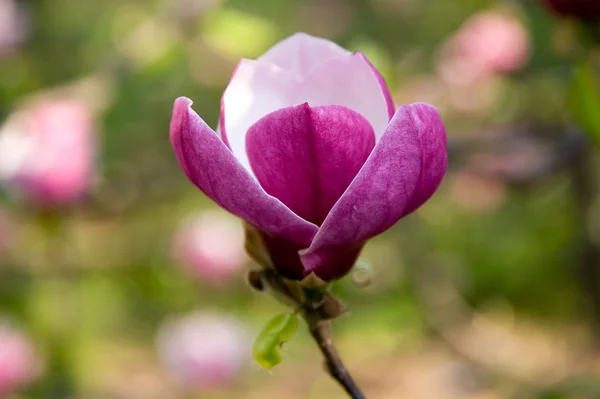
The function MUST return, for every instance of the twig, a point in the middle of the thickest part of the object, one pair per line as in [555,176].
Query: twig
[321,332]
[318,308]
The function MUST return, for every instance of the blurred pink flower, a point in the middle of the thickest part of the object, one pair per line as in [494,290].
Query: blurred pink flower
[19,363]
[210,245]
[13,26]
[47,151]
[489,43]
[204,351]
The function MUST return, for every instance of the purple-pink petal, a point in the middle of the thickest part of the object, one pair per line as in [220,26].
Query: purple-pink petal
[306,157]
[403,171]
[433,153]
[211,166]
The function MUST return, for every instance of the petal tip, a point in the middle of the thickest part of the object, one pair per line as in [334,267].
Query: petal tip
[303,36]
[182,101]
[426,105]
[180,108]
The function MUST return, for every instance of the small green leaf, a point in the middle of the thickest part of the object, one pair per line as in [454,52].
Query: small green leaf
[267,346]
[584,101]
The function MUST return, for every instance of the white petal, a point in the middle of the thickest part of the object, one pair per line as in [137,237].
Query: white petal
[300,53]
[348,81]
[299,69]
[256,89]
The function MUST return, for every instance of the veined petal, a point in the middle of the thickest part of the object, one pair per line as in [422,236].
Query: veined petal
[306,157]
[434,154]
[211,166]
[402,172]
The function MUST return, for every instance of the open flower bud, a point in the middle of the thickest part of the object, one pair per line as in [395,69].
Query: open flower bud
[312,154]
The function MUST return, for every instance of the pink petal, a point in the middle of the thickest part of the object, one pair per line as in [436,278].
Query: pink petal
[211,166]
[301,69]
[350,82]
[284,256]
[306,157]
[403,171]
[434,157]
[300,53]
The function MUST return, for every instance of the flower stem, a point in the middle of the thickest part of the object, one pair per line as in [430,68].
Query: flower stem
[317,308]
[321,332]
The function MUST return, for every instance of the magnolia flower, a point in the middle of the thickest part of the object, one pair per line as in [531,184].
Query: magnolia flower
[47,151]
[203,351]
[19,363]
[210,245]
[583,9]
[312,154]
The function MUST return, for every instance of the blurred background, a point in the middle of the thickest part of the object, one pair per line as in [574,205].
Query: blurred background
[119,279]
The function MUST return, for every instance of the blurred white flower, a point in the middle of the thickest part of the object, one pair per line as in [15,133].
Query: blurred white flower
[204,351]
[210,246]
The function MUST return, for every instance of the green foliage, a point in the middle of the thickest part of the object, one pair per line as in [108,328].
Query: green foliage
[584,100]
[580,387]
[267,346]
[94,302]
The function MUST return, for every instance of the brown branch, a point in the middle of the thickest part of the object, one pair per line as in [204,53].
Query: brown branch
[321,331]
[318,308]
